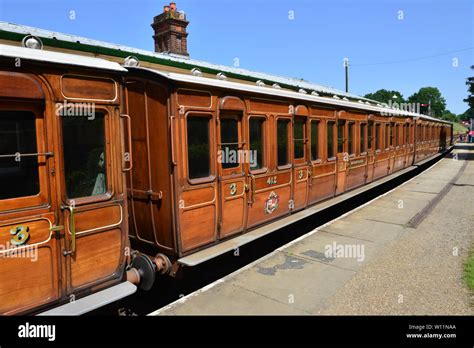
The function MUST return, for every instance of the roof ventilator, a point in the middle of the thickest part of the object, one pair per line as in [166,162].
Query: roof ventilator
[34,42]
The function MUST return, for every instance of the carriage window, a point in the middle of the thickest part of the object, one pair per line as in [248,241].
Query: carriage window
[370,129]
[390,130]
[397,135]
[363,126]
[84,155]
[387,135]
[199,161]
[298,137]
[378,137]
[19,176]
[314,140]
[340,136]
[330,139]
[229,142]
[350,138]
[282,129]
[257,138]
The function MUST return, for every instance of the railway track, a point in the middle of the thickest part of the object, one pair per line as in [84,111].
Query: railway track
[167,289]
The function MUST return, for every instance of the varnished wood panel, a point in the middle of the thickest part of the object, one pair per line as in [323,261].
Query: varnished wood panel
[97,257]
[197,227]
[191,97]
[26,282]
[273,106]
[88,88]
[19,85]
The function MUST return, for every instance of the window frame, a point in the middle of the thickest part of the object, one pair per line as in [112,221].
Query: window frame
[304,140]
[289,147]
[42,198]
[212,146]
[387,136]
[318,122]
[378,137]
[109,175]
[363,141]
[334,141]
[370,137]
[239,168]
[264,168]
[351,145]
[342,142]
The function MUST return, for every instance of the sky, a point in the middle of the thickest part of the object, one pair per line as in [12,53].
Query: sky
[393,44]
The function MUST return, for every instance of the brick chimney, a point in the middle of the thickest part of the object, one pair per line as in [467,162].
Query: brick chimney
[170,31]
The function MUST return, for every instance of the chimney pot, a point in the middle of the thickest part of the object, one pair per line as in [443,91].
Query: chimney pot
[170,34]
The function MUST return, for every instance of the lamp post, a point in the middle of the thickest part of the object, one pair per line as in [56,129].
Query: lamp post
[346,66]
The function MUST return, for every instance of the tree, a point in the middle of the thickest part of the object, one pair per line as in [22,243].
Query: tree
[449,116]
[385,96]
[470,98]
[429,95]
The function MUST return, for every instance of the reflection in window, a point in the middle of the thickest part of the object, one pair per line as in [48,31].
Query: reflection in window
[257,139]
[229,142]
[370,135]
[340,135]
[19,176]
[298,137]
[84,155]
[314,140]
[330,139]
[282,135]
[378,137]
[391,125]
[363,127]
[397,135]
[199,161]
[350,138]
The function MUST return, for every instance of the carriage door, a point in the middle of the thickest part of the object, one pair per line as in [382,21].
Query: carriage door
[232,158]
[29,268]
[342,155]
[92,218]
[301,169]
[370,148]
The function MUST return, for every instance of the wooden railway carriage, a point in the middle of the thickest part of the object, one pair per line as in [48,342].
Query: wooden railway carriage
[186,166]
[186,191]
[63,213]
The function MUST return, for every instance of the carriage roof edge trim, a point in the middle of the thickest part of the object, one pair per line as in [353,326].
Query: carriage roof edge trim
[281,93]
[58,58]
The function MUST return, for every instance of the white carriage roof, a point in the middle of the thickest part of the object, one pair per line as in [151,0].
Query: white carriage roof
[266,90]
[58,58]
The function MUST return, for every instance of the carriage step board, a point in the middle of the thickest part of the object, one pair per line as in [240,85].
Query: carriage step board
[94,301]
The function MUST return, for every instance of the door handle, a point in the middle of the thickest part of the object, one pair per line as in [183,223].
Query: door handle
[129,132]
[72,229]
[252,188]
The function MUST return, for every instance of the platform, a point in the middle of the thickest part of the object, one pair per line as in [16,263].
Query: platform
[401,253]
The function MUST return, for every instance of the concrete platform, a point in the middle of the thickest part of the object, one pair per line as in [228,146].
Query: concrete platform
[401,253]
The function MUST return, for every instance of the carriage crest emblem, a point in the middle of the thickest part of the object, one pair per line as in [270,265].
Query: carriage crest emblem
[271,204]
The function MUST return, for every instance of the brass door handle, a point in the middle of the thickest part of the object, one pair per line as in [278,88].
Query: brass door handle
[129,132]
[72,229]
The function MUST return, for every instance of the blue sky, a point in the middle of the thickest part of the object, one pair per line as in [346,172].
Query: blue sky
[312,45]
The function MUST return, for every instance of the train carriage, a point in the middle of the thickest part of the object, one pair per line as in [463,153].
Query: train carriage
[183,165]
[222,158]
